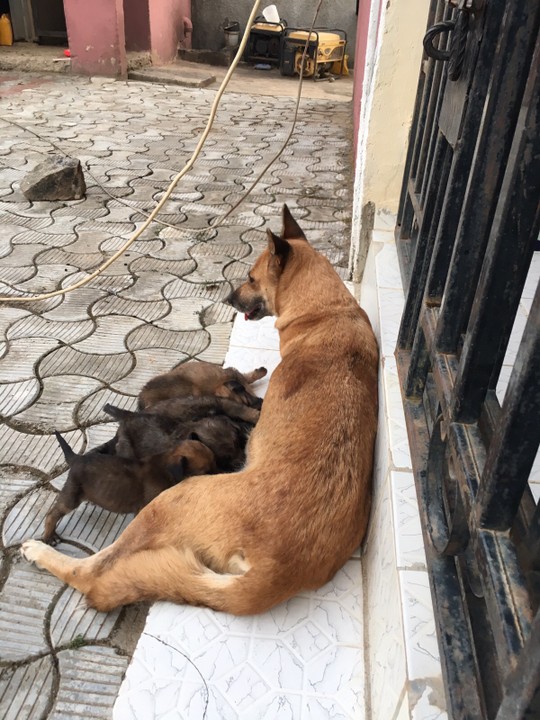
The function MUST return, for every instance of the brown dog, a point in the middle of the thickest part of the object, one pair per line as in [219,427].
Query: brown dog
[122,485]
[199,378]
[290,519]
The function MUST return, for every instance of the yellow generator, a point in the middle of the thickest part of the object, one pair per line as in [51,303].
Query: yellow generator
[264,41]
[325,56]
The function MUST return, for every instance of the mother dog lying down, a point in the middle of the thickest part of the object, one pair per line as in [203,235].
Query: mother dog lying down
[289,520]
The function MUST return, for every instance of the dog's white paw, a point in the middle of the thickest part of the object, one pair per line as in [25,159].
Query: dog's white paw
[32,550]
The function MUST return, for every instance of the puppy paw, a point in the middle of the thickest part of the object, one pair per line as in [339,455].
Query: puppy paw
[32,550]
[53,541]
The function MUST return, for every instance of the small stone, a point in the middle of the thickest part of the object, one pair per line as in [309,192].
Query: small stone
[57,178]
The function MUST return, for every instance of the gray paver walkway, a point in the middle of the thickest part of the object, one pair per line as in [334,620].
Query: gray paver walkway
[62,359]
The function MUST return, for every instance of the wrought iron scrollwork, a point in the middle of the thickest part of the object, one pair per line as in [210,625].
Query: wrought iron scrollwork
[459,28]
[447,525]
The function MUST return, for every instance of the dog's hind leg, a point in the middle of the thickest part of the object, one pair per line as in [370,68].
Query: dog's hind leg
[170,574]
[69,498]
[55,514]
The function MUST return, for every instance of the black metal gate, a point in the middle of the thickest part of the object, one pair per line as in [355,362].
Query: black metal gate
[467,226]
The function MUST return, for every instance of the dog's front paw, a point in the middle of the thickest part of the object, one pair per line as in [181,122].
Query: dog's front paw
[32,550]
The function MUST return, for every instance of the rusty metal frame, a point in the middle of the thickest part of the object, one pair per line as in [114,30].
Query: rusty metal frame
[468,221]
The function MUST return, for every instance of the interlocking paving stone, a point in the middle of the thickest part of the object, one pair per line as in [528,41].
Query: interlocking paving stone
[209,268]
[149,310]
[170,267]
[55,408]
[74,306]
[71,617]
[22,356]
[66,331]
[68,360]
[36,451]
[109,335]
[80,261]
[91,408]
[131,322]
[113,283]
[147,286]
[25,691]
[185,314]
[25,519]
[182,289]
[149,362]
[13,483]
[24,600]
[92,527]
[99,434]
[190,342]
[49,278]
[218,313]
[15,396]
[217,349]
[236,271]
[89,681]
[140,247]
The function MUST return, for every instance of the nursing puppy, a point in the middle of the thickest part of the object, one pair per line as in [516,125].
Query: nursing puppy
[123,485]
[202,378]
[160,429]
[290,519]
[222,425]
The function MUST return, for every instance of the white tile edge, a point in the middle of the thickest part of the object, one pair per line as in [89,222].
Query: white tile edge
[418,700]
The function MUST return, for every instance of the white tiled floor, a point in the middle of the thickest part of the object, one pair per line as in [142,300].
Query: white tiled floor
[533,279]
[403,669]
[304,660]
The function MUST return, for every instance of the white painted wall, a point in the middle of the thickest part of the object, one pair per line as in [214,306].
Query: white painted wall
[392,66]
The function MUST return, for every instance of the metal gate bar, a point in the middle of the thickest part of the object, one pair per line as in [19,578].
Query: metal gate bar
[468,219]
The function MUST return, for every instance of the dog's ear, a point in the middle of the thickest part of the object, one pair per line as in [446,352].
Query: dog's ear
[235,386]
[279,249]
[291,229]
[178,471]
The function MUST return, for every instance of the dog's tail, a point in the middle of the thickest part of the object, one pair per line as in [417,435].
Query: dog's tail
[118,413]
[68,451]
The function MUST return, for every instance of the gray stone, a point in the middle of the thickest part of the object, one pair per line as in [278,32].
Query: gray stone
[71,617]
[25,691]
[57,178]
[89,682]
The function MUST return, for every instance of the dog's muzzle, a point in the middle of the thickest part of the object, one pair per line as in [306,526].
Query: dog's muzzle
[253,309]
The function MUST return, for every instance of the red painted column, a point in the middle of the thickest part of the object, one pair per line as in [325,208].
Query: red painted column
[170,24]
[362,29]
[96,37]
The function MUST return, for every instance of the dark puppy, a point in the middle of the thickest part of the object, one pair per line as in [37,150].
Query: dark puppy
[198,379]
[222,425]
[122,485]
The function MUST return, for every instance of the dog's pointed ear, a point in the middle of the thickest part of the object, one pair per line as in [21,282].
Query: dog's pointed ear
[291,229]
[279,248]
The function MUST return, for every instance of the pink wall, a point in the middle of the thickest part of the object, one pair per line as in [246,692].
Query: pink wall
[96,37]
[99,32]
[165,25]
[137,25]
[366,7]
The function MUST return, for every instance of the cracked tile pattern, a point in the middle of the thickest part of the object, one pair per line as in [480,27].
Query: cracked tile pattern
[159,304]
[302,659]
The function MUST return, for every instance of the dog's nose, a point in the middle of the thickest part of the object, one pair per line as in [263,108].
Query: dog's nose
[228,300]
